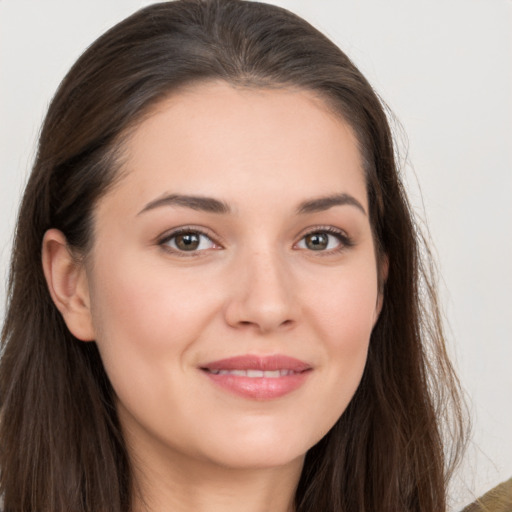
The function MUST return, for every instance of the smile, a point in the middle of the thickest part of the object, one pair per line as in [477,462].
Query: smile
[257,377]
[254,374]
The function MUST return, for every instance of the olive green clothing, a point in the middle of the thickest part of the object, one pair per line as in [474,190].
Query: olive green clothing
[498,499]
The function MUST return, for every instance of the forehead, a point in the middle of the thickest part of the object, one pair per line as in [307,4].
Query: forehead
[235,143]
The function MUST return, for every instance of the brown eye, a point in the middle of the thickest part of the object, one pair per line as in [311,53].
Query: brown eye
[317,241]
[326,240]
[188,241]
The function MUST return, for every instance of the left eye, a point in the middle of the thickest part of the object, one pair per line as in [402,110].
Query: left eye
[320,241]
[189,241]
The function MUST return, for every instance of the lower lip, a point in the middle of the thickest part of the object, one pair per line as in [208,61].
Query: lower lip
[260,388]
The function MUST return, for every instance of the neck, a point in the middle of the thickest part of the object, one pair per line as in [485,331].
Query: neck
[202,487]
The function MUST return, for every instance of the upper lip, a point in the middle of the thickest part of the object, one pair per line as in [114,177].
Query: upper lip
[256,362]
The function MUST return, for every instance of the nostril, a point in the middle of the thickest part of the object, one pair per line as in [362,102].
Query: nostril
[262,308]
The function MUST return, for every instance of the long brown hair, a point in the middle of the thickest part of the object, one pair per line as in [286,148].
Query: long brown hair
[61,447]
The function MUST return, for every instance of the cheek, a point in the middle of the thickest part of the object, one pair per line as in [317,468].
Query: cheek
[345,306]
[142,318]
[145,321]
[344,315]
[136,297]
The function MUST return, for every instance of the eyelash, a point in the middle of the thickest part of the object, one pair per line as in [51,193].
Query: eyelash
[184,231]
[344,240]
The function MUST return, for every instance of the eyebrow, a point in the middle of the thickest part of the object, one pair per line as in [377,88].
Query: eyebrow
[200,203]
[211,205]
[324,203]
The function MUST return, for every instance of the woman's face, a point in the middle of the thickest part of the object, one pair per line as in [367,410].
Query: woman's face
[233,278]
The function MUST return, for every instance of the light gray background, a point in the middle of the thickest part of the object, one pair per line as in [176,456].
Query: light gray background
[445,69]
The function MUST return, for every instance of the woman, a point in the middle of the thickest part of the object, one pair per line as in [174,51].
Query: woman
[215,286]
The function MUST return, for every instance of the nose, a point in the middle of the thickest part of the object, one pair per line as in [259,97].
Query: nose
[263,295]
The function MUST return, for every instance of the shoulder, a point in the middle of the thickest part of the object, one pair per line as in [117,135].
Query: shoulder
[498,499]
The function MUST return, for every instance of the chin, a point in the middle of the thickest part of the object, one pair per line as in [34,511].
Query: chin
[261,451]
[250,460]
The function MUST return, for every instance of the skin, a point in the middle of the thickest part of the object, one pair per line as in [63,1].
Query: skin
[253,286]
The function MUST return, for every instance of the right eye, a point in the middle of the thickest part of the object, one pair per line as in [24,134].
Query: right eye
[188,240]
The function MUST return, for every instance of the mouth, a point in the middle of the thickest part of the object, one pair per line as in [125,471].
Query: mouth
[258,377]
[253,374]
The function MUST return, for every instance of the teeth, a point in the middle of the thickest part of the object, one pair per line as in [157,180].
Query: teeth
[255,373]
[268,374]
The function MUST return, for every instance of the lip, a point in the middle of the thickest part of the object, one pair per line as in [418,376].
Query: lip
[283,374]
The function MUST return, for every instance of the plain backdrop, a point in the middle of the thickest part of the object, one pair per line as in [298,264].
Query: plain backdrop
[445,69]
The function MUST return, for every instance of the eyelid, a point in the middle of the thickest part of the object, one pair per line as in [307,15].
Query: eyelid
[163,239]
[345,240]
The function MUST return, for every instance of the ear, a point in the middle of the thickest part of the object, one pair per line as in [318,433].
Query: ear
[383,271]
[67,282]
